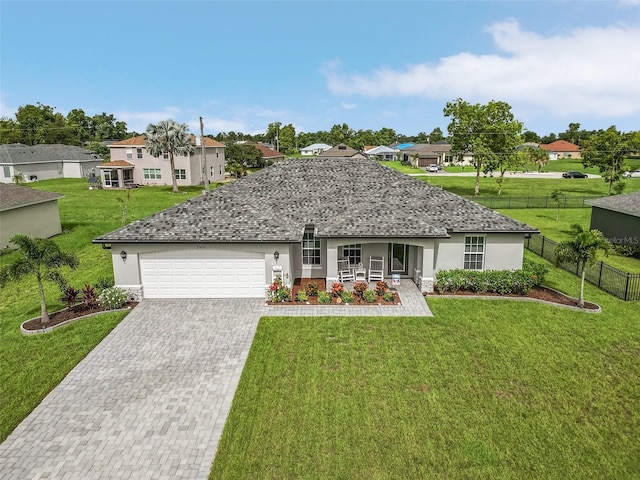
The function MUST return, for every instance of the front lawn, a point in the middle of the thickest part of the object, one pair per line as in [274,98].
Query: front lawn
[31,366]
[396,165]
[484,389]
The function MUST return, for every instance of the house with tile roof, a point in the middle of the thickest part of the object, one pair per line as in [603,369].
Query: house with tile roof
[28,211]
[131,164]
[618,218]
[296,218]
[561,149]
[314,149]
[44,162]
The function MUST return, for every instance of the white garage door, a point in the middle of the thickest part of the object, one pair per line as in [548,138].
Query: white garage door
[198,278]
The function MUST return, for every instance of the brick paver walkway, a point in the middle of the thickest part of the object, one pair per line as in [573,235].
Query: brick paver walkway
[150,401]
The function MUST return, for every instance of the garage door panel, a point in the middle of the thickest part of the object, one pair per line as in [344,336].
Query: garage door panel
[209,278]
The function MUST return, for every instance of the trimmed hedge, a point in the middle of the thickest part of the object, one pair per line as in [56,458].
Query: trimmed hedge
[503,282]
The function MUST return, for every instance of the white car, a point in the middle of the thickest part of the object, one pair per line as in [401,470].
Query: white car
[432,168]
[634,174]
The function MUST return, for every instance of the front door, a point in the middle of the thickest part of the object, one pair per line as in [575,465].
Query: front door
[398,255]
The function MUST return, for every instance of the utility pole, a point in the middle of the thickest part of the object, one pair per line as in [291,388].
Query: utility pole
[203,158]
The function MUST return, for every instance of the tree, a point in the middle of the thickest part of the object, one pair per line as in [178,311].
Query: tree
[436,135]
[489,131]
[558,197]
[40,257]
[273,134]
[607,150]
[529,136]
[287,138]
[9,131]
[536,156]
[171,138]
[106,127]
[341,134]
[242,156]
[581,251]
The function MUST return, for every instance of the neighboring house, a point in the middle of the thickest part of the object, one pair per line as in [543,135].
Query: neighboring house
[296,218]
[132,164]
[618,218]
[381,153]
[43,162]
[28,211]
[342,151]
[561,149]
[421,155]
[315,149]
[268,153]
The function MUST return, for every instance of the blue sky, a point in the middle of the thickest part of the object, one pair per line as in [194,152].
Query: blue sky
[371,64]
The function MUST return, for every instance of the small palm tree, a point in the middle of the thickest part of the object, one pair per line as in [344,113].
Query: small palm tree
[581,251]
[557,196]
[171,138]
[41,257]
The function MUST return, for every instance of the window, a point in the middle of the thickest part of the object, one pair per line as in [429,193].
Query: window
[310,249]
[165,155]
[181,174]
[6,171]
[474,253]
[129,154]
[353,253]
[139,152]
[152,173]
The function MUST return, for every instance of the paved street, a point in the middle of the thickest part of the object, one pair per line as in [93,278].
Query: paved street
[151,400]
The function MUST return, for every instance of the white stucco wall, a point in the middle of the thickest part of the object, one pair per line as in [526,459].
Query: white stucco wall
[503,251]
[39,221]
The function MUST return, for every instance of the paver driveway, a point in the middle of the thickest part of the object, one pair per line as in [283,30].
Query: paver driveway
[150,401]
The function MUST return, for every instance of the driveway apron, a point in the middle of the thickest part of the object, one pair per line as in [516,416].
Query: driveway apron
[150,401]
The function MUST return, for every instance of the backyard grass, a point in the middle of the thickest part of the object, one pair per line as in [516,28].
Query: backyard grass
[402,168]
[484,389]
[31,366]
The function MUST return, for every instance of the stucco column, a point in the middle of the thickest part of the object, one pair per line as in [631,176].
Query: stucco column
[332,263]
[427,275]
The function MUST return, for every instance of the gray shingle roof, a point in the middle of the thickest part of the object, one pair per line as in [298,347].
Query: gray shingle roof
[16,196]
[17,153]
[628,203]
[341,197]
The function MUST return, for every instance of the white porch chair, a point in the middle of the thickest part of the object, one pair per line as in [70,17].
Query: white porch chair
[344,271]
[376,269]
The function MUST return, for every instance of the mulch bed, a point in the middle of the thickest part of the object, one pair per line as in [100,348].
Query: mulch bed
[300,283]
[65,315]
[538,293]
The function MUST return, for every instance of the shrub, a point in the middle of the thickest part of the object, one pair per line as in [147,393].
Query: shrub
[324,297]
[347,297]
[389,296]
[381,288]
[311,289]
[336,289]
[69,296]
[301,296]
[369,296]
[112,298]
[359,288]
[279,293]
[89,297]
[103,283]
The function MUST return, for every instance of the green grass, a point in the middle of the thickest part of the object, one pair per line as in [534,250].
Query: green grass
[31,366]
[484,389]
[402,168]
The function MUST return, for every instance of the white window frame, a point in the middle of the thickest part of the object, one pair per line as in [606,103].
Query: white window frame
[311,254]
[152,173]
[165,156]
[353,253]
[6,171]
[474,252]
[180,173]
[139,152]
[129,154]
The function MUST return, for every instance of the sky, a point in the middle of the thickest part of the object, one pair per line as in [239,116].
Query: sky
[241,65]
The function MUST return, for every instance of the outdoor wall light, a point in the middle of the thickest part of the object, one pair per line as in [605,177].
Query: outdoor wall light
[123,256]
[276,255]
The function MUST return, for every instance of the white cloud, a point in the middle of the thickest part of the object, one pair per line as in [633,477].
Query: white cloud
[349,106]
[591,70]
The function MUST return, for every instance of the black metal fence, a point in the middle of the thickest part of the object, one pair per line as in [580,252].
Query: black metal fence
[522,201]
[617,282]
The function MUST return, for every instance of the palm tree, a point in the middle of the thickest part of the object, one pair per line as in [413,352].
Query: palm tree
[41,257]
[171,138]
[581,251]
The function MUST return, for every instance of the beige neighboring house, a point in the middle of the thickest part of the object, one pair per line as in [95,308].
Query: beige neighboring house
[561,149]
[421,155]
[28,211]
[343,151]
[45,161]
[131,164]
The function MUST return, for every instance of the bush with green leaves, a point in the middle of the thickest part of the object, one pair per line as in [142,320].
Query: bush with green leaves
[388,296]
[112,298]
[502,282]
[369,296]
[347,297]
[324,297]
[103,283]
[311,289]
[301,296]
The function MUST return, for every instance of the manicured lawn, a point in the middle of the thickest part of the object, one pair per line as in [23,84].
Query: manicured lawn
[484,389]
[402,168]
[30,366]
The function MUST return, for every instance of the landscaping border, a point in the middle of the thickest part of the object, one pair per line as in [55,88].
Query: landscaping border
[24,331]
